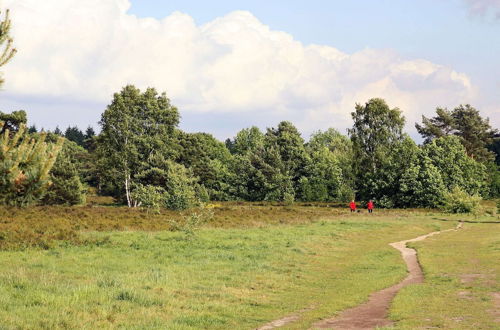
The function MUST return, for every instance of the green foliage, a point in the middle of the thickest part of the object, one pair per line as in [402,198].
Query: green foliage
[6,42]
[149,197]
[464,121]
[261,176]
[74,134]
[422,185]
[25,164]
[457,169]
[246,140]
[66,187]
[208,159]
[191,222]
[341,153]
[286,140]
[492,180]
[459,201]
[376,131]
[323,177]
[264,166]
[12,121]
[134,126]
[180,191]
[495,148]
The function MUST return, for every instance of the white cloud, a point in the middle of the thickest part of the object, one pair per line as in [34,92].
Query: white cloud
[87,50]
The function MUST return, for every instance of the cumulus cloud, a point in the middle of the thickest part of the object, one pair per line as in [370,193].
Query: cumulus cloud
[484,7]
[234,65]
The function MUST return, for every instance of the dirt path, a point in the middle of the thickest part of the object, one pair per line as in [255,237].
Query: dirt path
[374,312]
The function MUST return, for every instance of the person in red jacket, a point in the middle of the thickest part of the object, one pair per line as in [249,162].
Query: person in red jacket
[370,206]
[352,206]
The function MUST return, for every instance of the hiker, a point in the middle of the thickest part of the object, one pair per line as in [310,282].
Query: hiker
[352,206]
[370,206]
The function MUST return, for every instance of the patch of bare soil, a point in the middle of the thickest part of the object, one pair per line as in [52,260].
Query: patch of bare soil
[374,312]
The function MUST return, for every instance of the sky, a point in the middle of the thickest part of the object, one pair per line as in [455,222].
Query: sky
[228,65]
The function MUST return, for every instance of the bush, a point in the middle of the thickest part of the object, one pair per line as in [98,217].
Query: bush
[459,201]
[180,192]
[191,222]
[149,197]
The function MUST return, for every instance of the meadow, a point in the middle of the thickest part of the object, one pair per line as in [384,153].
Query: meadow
[103,266]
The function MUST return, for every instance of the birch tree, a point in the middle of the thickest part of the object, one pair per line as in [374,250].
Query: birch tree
[135,126]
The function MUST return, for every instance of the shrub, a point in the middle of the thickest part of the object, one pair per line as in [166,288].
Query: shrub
[191,222]
[180,193]
[149,197]
[459,201]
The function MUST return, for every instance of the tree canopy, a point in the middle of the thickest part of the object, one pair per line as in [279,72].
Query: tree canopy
[7,50]
[464,121]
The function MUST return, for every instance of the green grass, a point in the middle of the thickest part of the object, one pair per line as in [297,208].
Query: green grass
[462,270]
[224,278]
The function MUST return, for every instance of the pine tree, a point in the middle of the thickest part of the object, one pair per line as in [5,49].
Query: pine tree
[25,164]
[66,187]
[75,134]
[6,42]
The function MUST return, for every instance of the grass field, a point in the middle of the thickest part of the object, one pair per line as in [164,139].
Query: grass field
[251,264]
[462,287]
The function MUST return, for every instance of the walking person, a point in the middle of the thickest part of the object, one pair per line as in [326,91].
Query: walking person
[352,206]
[370,206]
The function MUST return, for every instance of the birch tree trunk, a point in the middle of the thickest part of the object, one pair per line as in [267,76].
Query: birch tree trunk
[127,190]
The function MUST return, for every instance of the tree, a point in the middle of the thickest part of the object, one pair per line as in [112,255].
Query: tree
[323,177]
[340,147]
[377,129]
[134,127]
[6,43]
[66,186]
[288,142]
[246,140]
[421,184]
[58,131]
[208,159]
[261,175]
[448,155]
[175,182]
[75,134]
[465,122]
[89,139]
[495,148]
[13,121]
[25,164]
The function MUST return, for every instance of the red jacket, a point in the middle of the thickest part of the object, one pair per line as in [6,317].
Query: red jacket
[370,205]
[352,205]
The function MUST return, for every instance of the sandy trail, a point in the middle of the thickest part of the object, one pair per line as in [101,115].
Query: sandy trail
[373,313]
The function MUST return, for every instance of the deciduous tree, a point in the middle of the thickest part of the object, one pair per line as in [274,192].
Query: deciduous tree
[134,127]
[376,131]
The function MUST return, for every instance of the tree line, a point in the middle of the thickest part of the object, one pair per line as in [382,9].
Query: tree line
[142,158]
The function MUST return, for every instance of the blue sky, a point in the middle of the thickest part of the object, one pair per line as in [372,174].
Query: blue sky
[436,53]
